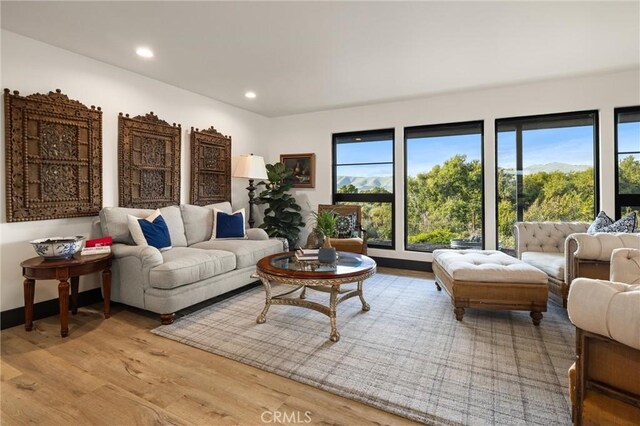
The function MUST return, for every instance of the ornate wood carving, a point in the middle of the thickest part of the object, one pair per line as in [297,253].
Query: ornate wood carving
[149,161]
[210,166]
[53,149]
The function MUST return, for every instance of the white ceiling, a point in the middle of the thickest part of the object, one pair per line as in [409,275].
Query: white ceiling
[301,57]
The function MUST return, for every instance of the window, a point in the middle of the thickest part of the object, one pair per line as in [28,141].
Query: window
[363,174]
[444,186]
[627,135]
[546,170]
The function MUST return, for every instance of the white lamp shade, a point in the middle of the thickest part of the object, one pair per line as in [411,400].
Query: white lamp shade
[250,167]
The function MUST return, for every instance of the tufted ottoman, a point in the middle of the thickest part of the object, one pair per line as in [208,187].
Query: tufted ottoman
[490,279]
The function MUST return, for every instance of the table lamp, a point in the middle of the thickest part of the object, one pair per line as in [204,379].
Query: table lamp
[250,167]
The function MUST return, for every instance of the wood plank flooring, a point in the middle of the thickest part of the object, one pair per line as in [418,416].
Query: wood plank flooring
[115,372]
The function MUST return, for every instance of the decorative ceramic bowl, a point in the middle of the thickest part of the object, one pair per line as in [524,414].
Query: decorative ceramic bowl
[55,248]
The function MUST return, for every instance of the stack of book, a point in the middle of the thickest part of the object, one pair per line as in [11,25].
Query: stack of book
[307,255]
[97,246]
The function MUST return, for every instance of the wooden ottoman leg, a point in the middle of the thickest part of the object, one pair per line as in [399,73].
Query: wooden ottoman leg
[536,316]
[459,313]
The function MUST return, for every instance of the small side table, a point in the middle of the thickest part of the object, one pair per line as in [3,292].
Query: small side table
[37,268]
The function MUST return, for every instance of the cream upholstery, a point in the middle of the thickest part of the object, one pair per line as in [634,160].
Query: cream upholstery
[487,266]
[186,265]
[247,253]
[546,237]
[608,308]
[626,266]
[600,246]
[551,263]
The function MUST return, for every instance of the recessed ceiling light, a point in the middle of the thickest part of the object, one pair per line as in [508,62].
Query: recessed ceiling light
[145,52]
[250,95]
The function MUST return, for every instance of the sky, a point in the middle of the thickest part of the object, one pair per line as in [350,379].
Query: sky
[570,145]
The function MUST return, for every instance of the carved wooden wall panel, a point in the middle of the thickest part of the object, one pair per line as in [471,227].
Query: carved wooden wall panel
[210,167]
[53,149]
[149,162]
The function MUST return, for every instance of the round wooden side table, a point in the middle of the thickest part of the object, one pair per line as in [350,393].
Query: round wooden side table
[38,268]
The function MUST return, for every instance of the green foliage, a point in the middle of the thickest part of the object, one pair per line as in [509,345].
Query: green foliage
[282,218]
[436,236]
[348,189]
[445,202]
[376,217]
[324,221]
[547,196]
[629,175]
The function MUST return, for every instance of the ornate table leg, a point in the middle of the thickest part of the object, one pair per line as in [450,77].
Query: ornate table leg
[303,295]
[267,289]
[63,296]
[335,336]
[29,291]
[74,294]
[365,305]
[106,290]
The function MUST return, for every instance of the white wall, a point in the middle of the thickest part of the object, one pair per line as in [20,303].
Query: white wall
[312,133]
[31,66]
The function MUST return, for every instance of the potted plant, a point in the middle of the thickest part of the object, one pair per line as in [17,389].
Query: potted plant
[282,217]
[324,225]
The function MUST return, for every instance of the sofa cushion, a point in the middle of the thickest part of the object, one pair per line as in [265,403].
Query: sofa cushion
[198,220]
[604,223]
[150,231]
[185,265]
[248,252]
[114,223]
[551,263]
[486,266]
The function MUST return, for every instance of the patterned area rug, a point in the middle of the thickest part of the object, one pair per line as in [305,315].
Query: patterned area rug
[407,355]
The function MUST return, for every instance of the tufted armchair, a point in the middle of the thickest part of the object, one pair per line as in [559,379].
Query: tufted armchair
[565,251]
[604,382]
[542,244]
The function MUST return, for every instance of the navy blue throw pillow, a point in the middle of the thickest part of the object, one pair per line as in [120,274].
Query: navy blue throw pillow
[156,233]
[229,225]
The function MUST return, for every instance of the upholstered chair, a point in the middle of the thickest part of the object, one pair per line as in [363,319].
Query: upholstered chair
[604,382]
[356,240]
[565,251]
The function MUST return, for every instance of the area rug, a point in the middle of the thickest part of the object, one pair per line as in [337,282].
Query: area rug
[407,355]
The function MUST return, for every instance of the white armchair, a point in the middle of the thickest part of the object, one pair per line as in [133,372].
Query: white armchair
[605,380]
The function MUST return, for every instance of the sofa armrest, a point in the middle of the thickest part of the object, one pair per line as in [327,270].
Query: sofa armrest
[257,234]
[600,246]
[148,256]
[625,265]
[548,237]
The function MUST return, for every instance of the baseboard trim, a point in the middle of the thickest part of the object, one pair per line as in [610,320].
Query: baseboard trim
[13,317]
[413,265]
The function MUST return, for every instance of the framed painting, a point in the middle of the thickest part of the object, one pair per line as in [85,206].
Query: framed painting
[303,167]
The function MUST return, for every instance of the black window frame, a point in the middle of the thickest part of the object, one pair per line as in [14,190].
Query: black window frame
[622,199]
[443,126]
[366,198]
[557,117]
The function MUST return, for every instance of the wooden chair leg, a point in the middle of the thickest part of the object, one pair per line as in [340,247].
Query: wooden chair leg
[167,319]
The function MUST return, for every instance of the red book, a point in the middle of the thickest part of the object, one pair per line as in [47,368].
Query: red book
[99,242]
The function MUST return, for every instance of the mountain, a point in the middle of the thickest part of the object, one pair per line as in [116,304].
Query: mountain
[364,183]
[556,167]
[553,167]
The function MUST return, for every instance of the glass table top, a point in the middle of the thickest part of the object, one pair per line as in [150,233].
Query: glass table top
[346,263]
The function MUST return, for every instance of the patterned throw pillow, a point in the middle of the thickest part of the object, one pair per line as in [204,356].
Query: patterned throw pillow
[626,224]
[602,220]
[345,225]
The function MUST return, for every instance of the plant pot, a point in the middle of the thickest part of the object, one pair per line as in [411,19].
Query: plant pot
[327,255]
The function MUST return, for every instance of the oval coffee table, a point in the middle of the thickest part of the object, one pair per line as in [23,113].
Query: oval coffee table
[283,268]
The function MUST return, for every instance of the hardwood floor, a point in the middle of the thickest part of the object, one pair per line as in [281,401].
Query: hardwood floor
[116,372]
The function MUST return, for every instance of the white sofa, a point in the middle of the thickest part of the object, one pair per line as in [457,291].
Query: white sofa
[565,251]
[193,270]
